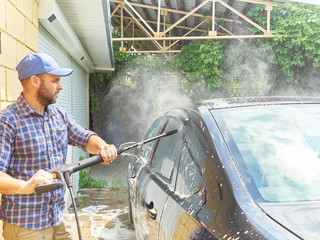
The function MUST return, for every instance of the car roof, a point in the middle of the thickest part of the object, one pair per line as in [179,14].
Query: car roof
[255,101]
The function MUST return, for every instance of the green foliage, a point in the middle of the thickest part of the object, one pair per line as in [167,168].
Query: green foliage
[94,101]
[116,183]
[202,66]
[80,198]
[100,82]
[86,181]
[297,47]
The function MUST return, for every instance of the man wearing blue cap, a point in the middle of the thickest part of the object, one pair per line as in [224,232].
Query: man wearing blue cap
[34,135]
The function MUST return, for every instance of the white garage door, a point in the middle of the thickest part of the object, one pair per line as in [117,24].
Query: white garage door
[74,97]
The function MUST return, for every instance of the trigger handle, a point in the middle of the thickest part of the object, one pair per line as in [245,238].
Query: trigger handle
[41,188]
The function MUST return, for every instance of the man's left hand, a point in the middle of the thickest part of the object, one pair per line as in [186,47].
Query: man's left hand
[108,153]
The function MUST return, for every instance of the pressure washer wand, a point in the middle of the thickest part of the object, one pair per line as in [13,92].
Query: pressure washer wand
[121,150]
[97,159]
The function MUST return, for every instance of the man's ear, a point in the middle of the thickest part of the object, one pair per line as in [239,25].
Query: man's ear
[35,81]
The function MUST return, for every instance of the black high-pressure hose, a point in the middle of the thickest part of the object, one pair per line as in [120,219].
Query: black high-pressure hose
[65,172]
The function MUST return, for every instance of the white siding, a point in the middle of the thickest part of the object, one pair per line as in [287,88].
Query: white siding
[74,97]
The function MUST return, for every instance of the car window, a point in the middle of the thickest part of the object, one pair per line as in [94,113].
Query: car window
[276,148]
[168,149]
[193,155]
[152,131]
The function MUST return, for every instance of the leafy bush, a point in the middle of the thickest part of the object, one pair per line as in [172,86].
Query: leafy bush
[86,181]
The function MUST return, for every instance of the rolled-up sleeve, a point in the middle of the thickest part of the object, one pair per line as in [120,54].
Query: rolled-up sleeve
[77,135]
[6,144]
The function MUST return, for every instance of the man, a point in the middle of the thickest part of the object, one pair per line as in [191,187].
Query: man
[33,139]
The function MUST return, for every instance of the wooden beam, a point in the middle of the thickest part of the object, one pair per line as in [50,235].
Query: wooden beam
[153,22]
[139,16]
[187,33]
[269,9]
[160,51]
[141,26]
[227,11]
[126,28]
[187,15]
[116,8]
[122,47]
[192,38]
[159,17]
[241,15]
[213,31]
[260,2]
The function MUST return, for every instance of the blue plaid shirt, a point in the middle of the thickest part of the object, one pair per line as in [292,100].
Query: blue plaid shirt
[30,142]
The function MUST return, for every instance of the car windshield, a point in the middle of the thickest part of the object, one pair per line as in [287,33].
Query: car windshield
[276,149]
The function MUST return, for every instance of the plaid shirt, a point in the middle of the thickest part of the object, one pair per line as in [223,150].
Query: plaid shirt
[30,142]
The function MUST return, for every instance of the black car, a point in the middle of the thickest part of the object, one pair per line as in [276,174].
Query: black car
[236,169]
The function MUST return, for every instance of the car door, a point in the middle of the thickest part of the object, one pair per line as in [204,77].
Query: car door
[155,179]
[137,163]
[185,207]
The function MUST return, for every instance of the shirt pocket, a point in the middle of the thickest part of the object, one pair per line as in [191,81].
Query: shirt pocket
[61,137]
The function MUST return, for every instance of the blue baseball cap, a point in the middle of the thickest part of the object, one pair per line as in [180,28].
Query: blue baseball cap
[39,63]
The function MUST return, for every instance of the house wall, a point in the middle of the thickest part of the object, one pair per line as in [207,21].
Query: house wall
[19,37]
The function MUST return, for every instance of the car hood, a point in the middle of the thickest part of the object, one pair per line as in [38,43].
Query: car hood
[301,218]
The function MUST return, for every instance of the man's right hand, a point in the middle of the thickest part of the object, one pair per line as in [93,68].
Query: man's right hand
[10,185]
[41,177]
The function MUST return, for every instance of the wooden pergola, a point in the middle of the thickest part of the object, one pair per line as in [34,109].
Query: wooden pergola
[164,26]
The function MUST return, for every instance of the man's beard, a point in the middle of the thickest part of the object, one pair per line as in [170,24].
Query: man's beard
[45,97]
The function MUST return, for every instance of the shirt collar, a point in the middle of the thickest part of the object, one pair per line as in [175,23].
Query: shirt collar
[27,110]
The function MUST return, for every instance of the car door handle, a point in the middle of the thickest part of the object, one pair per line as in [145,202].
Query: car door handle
[151,211]
[133,181]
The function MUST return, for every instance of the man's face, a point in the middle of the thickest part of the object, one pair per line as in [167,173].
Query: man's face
[49,88]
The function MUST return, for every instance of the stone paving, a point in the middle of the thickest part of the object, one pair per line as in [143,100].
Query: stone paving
[103,214]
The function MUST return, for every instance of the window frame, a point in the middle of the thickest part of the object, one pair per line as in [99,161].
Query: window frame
[156,145]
